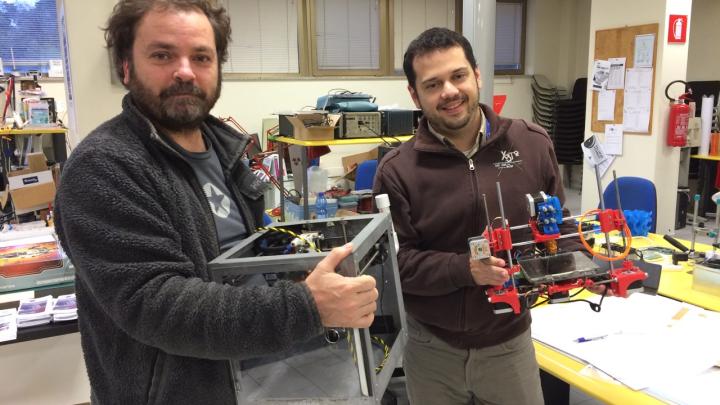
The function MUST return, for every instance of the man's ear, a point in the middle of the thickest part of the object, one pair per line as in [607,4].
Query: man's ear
[414,96]
[478,77]
[126,72]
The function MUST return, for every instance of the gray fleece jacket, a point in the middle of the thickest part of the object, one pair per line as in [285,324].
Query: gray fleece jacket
[134,221]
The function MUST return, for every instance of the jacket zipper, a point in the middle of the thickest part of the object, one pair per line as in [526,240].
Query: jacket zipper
[474,187]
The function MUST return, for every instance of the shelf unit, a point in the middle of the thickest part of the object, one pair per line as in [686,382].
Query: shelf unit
[284,141]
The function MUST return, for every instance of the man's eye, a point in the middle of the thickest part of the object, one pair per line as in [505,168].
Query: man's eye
[160,56]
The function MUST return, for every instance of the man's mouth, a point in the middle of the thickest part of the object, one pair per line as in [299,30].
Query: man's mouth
[453,107]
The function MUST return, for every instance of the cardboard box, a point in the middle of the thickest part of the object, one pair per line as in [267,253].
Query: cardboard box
[314,126]
[29,264]
[31,191]
[37,162]
[350,162]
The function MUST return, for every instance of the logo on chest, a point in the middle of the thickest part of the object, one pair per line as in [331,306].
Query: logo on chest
[508,160]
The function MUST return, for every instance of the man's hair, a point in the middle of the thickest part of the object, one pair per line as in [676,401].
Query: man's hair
[432,40]
[122,25]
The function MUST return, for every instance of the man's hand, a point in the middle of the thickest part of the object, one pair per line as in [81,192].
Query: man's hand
[599,289]
[344,302]
[490,271]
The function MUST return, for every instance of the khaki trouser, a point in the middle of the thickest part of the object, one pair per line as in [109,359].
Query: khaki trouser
[439,374]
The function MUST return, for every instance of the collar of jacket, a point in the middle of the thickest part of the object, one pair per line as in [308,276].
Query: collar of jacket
[425,141]
[228,143]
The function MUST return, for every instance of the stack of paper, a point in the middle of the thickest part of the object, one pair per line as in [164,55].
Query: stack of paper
[65,308]
[642,341]
[8,325]
[35,311]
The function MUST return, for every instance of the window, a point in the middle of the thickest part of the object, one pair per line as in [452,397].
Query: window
[352,37]
[510,37]
[29,36]
[329,37]
[346,36]
[264,36]
[411,17]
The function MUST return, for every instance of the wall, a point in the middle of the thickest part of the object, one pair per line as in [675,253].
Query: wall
[249,101]
[656,162]
[703,55]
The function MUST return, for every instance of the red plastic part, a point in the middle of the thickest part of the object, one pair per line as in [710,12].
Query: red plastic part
[539,237]
[624,277]
[610,220]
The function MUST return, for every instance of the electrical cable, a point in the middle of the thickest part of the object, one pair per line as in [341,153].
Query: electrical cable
[626,231]
[382,137]
[291,233]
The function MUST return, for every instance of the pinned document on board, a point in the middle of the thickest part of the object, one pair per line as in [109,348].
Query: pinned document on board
[606,105]
[637,99]
[613,139]
[616,80]
[600,74]
[644,49]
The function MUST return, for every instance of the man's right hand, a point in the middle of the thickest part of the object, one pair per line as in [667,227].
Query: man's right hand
[490,271]
[344,302]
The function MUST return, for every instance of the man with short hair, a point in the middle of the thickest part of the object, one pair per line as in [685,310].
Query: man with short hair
[458,350]
[154,194]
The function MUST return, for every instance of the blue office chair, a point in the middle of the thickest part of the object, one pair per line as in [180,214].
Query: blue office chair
[636,193]
[365,174]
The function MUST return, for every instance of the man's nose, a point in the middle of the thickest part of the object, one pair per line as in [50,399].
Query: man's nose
[449,90]
[184,71]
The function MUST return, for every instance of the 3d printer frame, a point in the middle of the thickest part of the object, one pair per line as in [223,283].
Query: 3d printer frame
[351,366]
[539,276]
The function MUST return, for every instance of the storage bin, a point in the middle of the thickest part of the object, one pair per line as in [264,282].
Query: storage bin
[294,212]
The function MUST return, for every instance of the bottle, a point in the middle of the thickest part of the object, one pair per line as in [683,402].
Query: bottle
[382,202]
[320,206]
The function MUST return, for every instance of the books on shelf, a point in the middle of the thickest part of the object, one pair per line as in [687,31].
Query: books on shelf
[65,308]
[8,324]
[35,311]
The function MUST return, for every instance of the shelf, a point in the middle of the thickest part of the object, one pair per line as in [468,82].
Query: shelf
[706,157]
[34,131]
[351,141]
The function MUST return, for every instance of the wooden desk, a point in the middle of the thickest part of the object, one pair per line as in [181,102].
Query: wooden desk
[283,140]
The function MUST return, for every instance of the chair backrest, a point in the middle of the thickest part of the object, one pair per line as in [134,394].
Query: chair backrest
[365,174]
[636,193]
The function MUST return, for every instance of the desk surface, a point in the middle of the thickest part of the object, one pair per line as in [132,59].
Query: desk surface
[676,284]
[705,157]
[34,131]
[350,141]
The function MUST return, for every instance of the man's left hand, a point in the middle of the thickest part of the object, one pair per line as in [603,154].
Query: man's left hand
[599,289]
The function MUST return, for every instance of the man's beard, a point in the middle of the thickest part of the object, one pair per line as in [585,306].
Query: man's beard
[169,111]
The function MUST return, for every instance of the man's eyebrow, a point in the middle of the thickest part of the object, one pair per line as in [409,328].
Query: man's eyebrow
[169,46]
[458,70]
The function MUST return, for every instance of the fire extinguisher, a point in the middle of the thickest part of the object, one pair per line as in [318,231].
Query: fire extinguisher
[679,117]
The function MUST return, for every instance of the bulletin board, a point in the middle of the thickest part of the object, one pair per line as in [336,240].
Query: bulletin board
[619,43]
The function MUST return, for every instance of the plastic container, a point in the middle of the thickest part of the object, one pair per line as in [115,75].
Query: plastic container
[317,179]
[294,212]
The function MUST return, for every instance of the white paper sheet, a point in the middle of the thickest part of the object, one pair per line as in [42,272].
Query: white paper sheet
[651,340]
[595,155]
[606,105]
[636,103]
[8,324]
[617,74]
[601,73]
[613,139]
[644,49]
